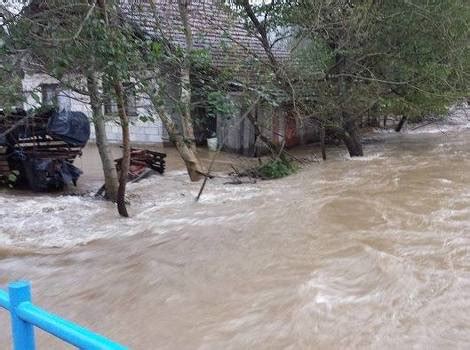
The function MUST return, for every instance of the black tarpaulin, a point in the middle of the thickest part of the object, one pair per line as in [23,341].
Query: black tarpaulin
[70,127]
[50,174]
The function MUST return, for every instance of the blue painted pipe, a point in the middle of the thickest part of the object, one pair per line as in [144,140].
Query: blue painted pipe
[25,315]
[23,332]
[65,330]
[4,300]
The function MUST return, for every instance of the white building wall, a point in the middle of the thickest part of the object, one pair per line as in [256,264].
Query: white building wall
[148,132]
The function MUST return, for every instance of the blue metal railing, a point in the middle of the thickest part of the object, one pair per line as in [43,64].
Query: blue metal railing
[25,316]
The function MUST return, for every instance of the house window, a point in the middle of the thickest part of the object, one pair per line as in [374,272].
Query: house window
[110,106]
[130,101]
[64,101]
[49,94]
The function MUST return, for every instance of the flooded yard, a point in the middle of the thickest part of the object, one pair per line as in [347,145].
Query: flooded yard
[364,253]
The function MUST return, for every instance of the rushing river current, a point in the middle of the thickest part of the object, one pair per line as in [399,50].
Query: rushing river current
[346,254]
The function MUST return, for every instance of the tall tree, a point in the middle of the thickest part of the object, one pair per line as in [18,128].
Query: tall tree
[96,102]
[11,93]
[78,44]
[114,73]
[183,138]
[349,57]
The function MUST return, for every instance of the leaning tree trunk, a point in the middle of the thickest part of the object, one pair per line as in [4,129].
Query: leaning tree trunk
[126,149]
[184,142]
[185,76]
[193,164]
[189,156]
[189,140]
[349,134]
[351,138]
[109,170]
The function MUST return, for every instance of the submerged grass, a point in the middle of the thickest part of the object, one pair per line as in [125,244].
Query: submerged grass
[277,168]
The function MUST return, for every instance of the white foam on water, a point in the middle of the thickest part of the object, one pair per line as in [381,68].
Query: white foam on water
[457,120]
[51,221]
[158,204]
[366,158]
[445,181]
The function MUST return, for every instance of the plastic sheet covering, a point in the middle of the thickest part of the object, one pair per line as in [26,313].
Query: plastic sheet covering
[50,174]
[70,127]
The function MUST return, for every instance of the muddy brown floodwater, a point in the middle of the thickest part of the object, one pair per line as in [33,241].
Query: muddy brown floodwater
[367,253]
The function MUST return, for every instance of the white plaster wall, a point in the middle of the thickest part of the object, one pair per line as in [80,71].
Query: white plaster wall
[149,132]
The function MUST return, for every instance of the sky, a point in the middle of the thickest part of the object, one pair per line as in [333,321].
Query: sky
[13,5]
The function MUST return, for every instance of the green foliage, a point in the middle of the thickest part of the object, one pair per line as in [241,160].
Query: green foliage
[201,59]
[277,168]
[10,78]
[157,50]
[407,57]
[11,179]
[147,118]
[219,104]
[425,47]
[75,39]
[10,88]
[316,55]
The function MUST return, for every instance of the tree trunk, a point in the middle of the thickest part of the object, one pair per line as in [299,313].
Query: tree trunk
[263,36]
[401,124]
[349,134]
[126,149]
[276,150]
[186,118]
[374,116]
[354,147]
[185,76]
[109,170]
[185,140]
[322,142]
[193,164]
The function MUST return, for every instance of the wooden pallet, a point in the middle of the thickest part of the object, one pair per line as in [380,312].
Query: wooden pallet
[142,159]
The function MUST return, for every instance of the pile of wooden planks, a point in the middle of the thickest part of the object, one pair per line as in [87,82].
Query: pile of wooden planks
[4,166]
[143,160]
[25,141]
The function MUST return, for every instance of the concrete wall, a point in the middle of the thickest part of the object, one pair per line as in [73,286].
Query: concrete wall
[149,132]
